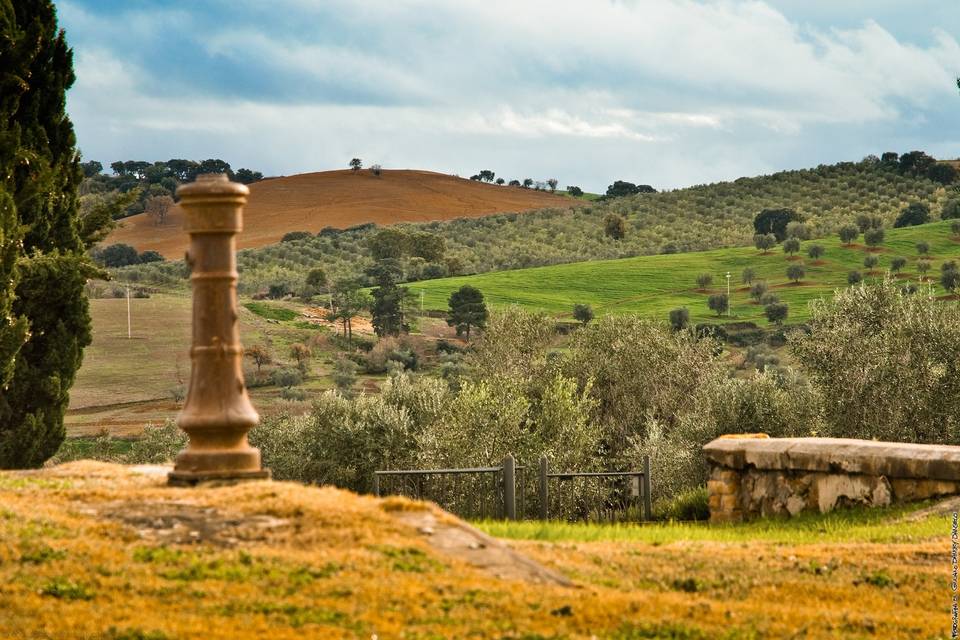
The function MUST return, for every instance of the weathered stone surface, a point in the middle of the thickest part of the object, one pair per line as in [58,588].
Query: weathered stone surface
[838,455]
[770,477]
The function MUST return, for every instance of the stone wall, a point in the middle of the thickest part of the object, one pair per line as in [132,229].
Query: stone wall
[757,476]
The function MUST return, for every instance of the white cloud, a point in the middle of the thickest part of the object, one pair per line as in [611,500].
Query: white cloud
[678,90]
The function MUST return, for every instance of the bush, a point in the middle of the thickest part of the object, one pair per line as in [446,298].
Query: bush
[679,318]
[776,312]
[758,290]
[150,256]
[718,302]
[290,393]
[913,214]
[688,505]
[923,247]
[815,251]
[951,209]
[897,264]
[118,255]
[955,227]
[704,280]
[796,272]
[293,236]
[874,237]
[286,377]
[791,246]
[748,276]
[854,277]
[871,261]
[884,361]
[582,313]
[848,233]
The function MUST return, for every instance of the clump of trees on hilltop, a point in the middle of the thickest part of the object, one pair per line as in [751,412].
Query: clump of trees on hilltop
[152,182]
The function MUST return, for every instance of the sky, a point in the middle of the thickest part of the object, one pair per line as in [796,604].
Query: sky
[662,92]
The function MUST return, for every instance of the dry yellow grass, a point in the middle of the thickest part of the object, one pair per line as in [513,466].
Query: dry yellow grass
[91,551]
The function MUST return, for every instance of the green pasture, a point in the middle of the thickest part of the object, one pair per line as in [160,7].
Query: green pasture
[895,524]
[653,285]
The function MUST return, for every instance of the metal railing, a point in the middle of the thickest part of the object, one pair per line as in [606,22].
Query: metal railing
[492,492]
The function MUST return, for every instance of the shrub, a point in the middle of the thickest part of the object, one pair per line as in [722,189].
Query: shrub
[874,237]
[815,251]
[848,233]
[345,375]
[679,318]
[871,261]
[764,241]
[748,276]
[758,290]
[913,214]
[704,280]
[582,313]
[897,264]
[955,227]
[923,247]
[718,302]
[293,236]
[776,312]
[796,272]
[799,230]
[768,298]
[791,246]
[118,255]
[884,361]
[950,276]
[854,277]
[157,445]
[150,256]
[688,505]
[614,226]
[951,209]
[922,267]
[286,377]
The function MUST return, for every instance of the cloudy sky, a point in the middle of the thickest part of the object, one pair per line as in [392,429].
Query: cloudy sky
[664,92]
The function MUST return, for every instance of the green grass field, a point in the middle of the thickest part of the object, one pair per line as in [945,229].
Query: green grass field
[653,285]
[878,525]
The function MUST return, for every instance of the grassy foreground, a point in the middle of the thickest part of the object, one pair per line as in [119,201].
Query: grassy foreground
[653,285]
[93,551]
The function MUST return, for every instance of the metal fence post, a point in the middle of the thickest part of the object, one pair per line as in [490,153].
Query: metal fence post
[647,515]
[544,495]
[509,487]
[376,484]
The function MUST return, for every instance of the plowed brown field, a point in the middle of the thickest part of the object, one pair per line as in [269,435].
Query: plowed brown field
[312,201]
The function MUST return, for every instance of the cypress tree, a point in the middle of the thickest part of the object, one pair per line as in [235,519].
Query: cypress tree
[39,175]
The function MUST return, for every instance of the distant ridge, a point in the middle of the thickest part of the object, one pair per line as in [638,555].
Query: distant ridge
[341,199]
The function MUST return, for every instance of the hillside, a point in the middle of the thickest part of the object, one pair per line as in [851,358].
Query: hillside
[92,550]
[697,218]
[341,199]
[653,285]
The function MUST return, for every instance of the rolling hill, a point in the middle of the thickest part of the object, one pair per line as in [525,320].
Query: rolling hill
[341,199]
[653,285]
[697,218]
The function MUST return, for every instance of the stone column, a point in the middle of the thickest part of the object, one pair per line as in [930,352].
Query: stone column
[217,414]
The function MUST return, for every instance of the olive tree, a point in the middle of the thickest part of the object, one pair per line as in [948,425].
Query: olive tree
[848,233]
[886,363]
[795,272]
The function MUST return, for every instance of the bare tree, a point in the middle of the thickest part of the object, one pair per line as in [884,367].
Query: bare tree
[157,208]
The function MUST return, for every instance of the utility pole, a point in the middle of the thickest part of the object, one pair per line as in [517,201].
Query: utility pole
[728,294]
[129,331]
[421,301]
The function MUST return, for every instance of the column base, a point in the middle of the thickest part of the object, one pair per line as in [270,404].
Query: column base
[194,478]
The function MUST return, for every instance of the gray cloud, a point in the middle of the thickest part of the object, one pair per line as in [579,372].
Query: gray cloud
[670,93]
